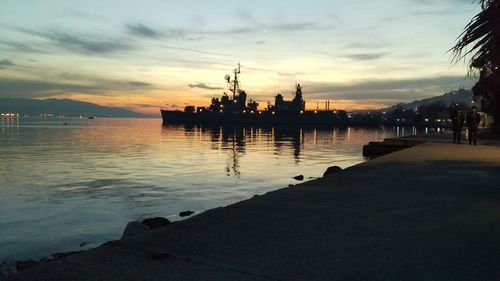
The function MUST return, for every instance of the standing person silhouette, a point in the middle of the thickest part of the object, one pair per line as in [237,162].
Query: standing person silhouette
[473,120]
[457,124]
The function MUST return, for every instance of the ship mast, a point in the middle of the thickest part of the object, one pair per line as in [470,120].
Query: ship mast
[235,81]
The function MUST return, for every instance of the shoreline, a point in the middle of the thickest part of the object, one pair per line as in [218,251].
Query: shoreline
[268,218]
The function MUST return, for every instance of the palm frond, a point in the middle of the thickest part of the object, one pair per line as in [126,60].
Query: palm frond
[482,33]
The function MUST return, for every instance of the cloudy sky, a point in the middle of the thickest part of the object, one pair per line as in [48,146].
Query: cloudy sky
[140,54]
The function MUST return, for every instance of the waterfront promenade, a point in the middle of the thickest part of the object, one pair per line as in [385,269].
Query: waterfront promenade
[430,212]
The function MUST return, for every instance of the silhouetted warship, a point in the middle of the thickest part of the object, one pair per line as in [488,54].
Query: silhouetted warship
[235,110]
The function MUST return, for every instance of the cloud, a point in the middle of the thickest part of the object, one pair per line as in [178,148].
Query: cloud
[6,63]
[87,44]
[24,47]
[404,89]
[144,105]
[292,73]
[278,27]
[196,38]
[366,56]
[102,83]
[422,1]
[292,26]
[39,89]
[204,86]
[13,87]
[139,29]
[139,84]
[367,44]
[193,50]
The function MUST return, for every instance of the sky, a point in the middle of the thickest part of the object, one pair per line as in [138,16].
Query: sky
[358,54]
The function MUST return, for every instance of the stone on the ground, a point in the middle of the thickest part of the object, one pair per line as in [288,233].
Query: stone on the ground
[186,213]
[154,223]
[160,255]
[332,170]
[7,268]
[299,177]
[27,264]
[135,228]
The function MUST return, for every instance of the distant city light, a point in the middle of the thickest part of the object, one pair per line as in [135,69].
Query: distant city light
[9,114]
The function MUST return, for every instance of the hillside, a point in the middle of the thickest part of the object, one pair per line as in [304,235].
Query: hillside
[66,107]
[461,96]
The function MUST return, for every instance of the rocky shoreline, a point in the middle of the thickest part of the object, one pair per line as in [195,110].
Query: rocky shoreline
[133,228]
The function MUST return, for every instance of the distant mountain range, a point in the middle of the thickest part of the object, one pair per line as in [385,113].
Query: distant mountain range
[461,96]
[66,107]
[73,108]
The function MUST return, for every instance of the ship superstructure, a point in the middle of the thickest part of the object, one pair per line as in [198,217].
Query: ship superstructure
[233,108]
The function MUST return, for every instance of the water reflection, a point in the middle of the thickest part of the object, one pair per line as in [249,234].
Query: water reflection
[9,124]
[278,140]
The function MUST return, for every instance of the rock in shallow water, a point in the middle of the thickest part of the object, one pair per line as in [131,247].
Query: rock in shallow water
[154,223]
[134,228]
[186,213]
[299,178]
[332,170]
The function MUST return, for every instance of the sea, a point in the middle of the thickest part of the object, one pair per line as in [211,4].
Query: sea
[69,184]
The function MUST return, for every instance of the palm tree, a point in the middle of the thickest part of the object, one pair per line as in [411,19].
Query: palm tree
[481,39]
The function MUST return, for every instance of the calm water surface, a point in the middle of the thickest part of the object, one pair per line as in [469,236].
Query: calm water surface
[64,185]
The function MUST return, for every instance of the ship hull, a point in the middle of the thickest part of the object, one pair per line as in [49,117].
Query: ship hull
[264,117]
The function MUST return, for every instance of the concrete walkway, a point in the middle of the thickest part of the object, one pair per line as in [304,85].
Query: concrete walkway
[431,212]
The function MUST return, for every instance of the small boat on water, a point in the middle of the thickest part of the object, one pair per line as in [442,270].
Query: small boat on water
[234,109]
[91,117]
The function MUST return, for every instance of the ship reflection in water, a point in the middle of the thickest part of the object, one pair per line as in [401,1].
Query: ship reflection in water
[234,139]
[285,141]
